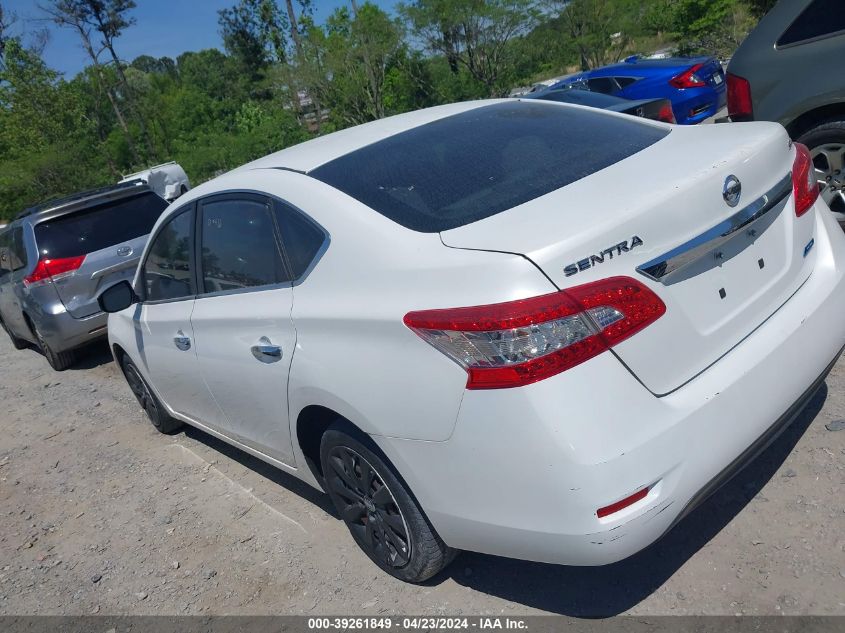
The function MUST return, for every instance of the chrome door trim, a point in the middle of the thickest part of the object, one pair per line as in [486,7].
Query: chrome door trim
[750,222]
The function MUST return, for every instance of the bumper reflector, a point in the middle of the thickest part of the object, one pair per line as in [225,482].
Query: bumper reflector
[621,505]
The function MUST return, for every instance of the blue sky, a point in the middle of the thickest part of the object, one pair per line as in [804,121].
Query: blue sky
[163,27]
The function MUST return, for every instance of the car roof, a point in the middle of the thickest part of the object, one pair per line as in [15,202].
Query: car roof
[321,150]
[632,67]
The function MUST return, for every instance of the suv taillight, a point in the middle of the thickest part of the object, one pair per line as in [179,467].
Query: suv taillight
[51,269]
[739,98]
[804,183]
[688,78]
[520,342]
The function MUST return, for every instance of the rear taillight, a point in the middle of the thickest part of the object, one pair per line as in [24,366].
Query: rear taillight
[688,78]
[666,115]
[739,98]
[51,269]
[520,342]
[805,186]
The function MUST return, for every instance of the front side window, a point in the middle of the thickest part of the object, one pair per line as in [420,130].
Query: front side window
[168,271]
[239,246]
[821,18]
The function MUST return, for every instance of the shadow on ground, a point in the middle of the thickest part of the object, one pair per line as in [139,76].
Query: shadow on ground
[613,589]
[93,355]
[264,469]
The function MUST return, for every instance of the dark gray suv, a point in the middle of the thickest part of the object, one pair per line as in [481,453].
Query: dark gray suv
[57,258]
[791,69]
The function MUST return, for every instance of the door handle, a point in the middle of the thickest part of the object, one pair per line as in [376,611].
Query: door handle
[266,352]
[181,341]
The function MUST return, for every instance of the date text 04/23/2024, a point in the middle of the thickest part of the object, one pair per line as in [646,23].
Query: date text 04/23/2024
[417,623]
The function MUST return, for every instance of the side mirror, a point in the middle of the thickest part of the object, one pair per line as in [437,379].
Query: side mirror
[119,297]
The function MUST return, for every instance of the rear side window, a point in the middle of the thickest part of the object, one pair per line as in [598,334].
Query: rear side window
[239,247]
[5,254]
[99,227]
[168,270]
[624,82]
[12,252]
[473,165]
[605,85]
[18,250]
[821,18]
[301,237]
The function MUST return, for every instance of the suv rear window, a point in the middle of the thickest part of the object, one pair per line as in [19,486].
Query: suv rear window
[473,165]
[99,227]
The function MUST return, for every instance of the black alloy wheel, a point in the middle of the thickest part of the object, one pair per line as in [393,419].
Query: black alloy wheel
[147,399]
[378,508]
[368,507]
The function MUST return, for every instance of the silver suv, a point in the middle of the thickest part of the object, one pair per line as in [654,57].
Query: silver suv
[57,258]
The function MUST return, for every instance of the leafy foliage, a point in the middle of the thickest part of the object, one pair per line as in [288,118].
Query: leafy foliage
[284,78]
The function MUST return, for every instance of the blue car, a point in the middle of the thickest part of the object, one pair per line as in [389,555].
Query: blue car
[694,85]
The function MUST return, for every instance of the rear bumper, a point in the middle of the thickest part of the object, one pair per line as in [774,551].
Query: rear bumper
[526,469]
[704,102]
[63,332]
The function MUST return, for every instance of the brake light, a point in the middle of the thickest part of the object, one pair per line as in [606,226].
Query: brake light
[688,78]
[50,269]
[804,183]
[739,98]
[521,342]
[666,114]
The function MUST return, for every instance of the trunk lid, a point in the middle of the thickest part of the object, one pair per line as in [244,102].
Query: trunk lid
[660,217]
[110,236]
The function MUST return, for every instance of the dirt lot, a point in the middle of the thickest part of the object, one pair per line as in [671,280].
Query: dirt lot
[101,514]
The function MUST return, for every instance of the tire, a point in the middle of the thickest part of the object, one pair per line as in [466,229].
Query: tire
[59,361]
[379,511]
[151,405]
[826,143]
[17,343]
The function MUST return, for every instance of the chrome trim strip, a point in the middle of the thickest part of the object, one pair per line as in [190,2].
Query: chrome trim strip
[668,267]
[128,263]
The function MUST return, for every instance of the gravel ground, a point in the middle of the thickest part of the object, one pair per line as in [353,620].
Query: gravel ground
[101,514]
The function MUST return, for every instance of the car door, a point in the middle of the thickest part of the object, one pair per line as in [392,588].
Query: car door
[163,321]
[242,320]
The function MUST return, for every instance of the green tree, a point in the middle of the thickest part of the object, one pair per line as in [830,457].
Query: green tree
[474,34]
[715,27]
[254,32]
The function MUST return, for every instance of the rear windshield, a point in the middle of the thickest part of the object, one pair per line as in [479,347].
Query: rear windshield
[99,227]
[473,165]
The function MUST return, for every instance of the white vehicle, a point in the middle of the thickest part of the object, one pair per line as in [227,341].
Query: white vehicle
[523,328]
[168,180]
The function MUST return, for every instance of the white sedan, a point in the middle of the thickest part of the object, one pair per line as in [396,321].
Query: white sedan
[516,327]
